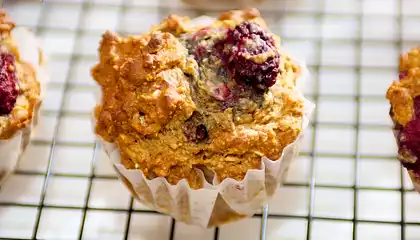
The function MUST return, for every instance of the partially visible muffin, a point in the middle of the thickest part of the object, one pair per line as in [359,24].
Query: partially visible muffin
[404,97]
[184,97]
[19,88]
[20,91]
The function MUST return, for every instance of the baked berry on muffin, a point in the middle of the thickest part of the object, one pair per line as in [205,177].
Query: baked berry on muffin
[404,97]
[183,97]
[20,91]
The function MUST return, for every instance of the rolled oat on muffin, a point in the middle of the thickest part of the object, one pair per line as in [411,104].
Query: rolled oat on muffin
[195,109]
[404,97]
[20,90]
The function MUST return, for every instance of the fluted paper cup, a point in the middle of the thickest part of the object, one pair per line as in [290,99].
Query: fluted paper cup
[12,149]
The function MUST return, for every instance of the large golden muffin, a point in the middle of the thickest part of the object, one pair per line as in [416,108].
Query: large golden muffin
[215,97]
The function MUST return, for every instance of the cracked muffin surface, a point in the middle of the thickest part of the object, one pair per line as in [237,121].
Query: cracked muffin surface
[184,97]
[19,87]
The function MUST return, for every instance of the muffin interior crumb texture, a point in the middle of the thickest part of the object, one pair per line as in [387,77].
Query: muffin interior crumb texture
[404,96]
[19,88]
[184,97]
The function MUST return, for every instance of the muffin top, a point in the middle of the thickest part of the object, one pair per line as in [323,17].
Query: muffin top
[182,97]
[19,88]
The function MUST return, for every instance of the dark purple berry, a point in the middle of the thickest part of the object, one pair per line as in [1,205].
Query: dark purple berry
[194,133]
[201,132]
[8,81]
[416,103]
[409,138]
[238,49]
[194,130]
[403,74]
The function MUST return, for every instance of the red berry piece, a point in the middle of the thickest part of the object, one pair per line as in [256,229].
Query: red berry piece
[409,138]
[243,43]
[403,74]
[200,52]
[416,101]
[222,92]
[8,81]
[194,130]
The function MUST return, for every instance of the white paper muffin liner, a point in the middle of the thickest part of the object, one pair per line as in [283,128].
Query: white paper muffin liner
[12,149]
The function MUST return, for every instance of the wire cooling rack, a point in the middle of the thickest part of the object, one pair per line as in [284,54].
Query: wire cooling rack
[347,183]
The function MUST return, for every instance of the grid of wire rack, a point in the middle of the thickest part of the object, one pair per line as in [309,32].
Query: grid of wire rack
[354,148]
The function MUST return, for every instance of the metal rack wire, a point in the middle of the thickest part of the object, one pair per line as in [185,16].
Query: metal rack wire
[163,8]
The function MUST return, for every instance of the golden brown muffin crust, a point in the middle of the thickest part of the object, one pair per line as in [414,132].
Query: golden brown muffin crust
[29,88]
[6,24]
[181,24]
[147,98]
[401,93]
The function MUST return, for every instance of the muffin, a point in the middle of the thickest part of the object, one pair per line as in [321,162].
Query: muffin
[404,97]
[192,112]
[20,91]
